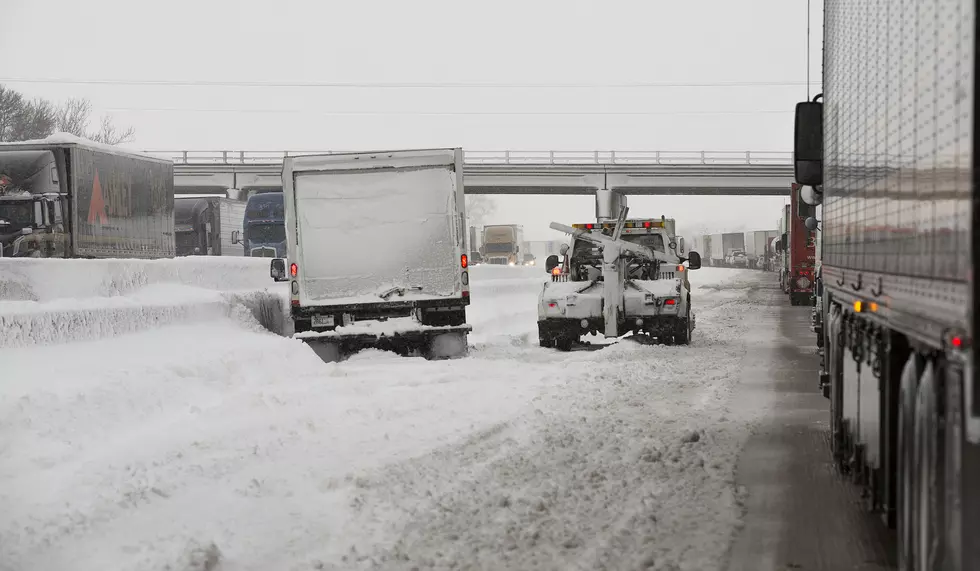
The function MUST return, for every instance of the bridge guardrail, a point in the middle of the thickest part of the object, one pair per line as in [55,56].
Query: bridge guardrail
[776,158]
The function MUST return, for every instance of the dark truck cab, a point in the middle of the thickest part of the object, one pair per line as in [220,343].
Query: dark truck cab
[264,226]
[66,197]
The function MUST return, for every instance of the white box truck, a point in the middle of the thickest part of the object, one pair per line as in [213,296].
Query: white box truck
[376,250]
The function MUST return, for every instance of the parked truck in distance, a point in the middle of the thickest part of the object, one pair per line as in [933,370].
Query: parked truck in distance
[66,197]
[756,248]
[208,225]
[376,245]
[898,294]
[264,226]
[502,244]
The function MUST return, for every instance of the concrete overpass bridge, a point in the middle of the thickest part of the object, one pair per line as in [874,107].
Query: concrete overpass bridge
[748,173]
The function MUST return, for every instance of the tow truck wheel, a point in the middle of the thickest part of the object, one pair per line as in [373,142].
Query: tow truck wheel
[564,343]
[683,336]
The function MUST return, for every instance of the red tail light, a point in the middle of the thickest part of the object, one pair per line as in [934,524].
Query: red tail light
[647,224]
[589,226]
[293,269]
[463,260]
[670,302]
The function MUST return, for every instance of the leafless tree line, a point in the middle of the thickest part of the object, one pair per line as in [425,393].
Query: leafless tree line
[23,119]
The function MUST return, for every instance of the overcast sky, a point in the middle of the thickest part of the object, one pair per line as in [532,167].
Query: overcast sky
[553,75]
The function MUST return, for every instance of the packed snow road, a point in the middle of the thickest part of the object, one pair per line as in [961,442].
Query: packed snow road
[216,445]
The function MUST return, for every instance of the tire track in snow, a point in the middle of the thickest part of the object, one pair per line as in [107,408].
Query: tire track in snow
[629,464]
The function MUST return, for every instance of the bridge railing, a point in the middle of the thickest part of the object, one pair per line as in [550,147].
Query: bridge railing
[188,157]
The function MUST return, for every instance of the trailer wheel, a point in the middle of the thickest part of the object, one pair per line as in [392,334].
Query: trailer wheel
[927,493]
[905,463]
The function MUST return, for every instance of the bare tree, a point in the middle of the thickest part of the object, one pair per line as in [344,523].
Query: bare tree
[73,116]
[36,120]
[109,134]
[11,105]
[478,208]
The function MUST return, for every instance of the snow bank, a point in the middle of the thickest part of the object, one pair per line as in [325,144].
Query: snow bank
[56,301]
[45,280]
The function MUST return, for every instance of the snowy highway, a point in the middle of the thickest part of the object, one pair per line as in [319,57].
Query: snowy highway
[210,443]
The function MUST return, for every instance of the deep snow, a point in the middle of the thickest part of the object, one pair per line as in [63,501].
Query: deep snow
[213,440]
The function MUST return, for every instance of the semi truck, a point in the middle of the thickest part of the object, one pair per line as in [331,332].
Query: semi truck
[717,252]
[800,251]
[66,197]
[502,244]
[898,293]
[208,225]
[264,226]
[376,245]
[756,248]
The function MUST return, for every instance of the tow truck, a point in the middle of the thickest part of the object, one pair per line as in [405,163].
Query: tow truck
[617,278]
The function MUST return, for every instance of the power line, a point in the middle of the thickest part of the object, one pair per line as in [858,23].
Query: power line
[394,85]
[444,113]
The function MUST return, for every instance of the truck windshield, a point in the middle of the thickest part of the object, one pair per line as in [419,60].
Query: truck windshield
[28,171]
[652,241]
[499,247]
[266,233]
[17,212]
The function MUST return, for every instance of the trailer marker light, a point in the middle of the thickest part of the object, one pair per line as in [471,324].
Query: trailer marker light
[670,301]
[552,304]
[293,269]
[873,306]
[463,261]
[858,306]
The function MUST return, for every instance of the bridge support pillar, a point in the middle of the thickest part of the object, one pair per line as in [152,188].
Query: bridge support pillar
[608,203]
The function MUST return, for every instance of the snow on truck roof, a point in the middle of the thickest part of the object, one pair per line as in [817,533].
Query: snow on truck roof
[375,159]
[62,139]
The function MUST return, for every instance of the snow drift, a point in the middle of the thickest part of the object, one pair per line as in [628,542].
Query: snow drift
[56,301]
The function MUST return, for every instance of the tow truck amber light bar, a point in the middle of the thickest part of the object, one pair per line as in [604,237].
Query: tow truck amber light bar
[630,224]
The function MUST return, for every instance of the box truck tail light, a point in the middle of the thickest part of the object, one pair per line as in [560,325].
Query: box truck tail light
[293,269]
[463,261]
[670,301]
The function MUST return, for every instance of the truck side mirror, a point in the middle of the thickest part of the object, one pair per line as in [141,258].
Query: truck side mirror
[550,263]
[681,242]
[808,143]
[277,269]
[694,261]
[811,223]
[236,237]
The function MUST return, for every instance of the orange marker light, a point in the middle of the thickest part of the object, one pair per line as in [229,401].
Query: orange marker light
[293,269]
[858,306]
[873,306]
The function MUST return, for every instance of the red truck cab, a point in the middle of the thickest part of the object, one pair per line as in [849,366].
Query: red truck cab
[802,251]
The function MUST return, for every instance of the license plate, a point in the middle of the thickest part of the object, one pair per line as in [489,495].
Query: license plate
[322,321]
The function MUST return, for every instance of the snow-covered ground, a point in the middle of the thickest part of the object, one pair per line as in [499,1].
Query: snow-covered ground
[209,443]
